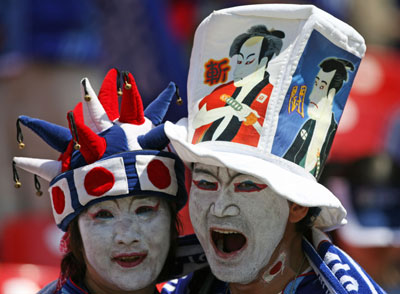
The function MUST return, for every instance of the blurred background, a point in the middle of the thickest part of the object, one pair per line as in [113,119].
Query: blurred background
[47,46]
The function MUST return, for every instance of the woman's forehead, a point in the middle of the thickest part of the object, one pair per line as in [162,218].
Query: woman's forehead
[125,201]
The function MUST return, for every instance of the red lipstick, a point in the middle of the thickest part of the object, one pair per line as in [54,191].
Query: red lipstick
[129,260]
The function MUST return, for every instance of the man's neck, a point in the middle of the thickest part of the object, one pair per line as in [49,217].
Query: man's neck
[286,264]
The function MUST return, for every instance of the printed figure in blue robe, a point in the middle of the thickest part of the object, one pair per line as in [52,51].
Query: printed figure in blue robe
[313,141]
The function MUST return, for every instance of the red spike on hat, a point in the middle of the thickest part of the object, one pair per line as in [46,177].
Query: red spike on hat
[131,104]
[65,157]
[108,94]
[92,146]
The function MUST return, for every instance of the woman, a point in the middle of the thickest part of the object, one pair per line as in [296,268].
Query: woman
[116,202]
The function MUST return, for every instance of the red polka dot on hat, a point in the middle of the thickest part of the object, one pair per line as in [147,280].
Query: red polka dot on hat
[158,174]
[58,197]
[98,181]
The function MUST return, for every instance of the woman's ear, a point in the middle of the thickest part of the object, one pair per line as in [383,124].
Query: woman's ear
[296,212]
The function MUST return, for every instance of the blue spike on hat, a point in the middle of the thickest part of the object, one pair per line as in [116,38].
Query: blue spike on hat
[57,137]
[156,110]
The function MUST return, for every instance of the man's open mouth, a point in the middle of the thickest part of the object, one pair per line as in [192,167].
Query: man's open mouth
[227,242]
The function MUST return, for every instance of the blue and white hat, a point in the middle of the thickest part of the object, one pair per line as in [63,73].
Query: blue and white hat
[101,156]
[267,87]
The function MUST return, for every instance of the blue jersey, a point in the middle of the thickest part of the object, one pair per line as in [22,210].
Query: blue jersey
[69,287]
[304,284]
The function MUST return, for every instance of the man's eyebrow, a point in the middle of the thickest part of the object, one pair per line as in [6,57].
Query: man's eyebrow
[203,171]
[317,78]
[250,55]
[324,82]
[240,54]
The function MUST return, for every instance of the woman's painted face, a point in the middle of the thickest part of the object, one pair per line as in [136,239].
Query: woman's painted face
[238,219]
[126,241]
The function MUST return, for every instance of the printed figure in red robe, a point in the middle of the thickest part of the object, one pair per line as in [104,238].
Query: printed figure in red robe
[235,111]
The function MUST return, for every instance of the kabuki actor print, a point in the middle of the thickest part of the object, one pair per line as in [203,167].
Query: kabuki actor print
[235,111]
[315,102]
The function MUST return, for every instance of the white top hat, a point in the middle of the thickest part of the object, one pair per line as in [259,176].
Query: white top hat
[266,90]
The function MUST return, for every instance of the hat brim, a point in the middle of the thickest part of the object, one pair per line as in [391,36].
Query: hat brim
[277,173]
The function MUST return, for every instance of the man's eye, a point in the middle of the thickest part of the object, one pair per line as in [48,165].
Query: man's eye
[322,87]
[249,186]
[239,62]
[206,185]
[103,214]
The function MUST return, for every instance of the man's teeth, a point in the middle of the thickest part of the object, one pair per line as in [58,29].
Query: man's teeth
[225,232]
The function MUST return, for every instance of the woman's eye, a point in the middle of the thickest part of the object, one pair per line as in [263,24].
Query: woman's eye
[239,62]
[249,186]
[103,214]
[145,209]
[206,185]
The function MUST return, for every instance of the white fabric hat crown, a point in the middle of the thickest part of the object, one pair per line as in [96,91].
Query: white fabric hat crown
[266,90]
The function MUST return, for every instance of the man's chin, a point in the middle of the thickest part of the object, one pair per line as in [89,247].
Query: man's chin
[229,274]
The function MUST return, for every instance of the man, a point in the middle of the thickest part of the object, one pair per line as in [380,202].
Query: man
[239,107]
[259,216]
[310,150]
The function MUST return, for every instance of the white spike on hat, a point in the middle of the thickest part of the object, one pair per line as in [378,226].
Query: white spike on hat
[95,116]
[45,168]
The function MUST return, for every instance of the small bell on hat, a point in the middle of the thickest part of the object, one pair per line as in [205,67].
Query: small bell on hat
[17,182]
[20,137]
[179,99]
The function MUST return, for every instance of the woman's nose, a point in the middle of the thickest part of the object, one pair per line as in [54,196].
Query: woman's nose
[126,232]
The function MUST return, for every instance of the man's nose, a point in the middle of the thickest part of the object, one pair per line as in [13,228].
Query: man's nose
[224,205]
[126,232]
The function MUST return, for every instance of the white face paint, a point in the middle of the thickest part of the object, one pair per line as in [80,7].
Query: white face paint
[239,221]
[126,241]
[248,59]
[319,100]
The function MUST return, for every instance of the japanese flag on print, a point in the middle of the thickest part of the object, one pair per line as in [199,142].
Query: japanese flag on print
[156,173]
[100,178]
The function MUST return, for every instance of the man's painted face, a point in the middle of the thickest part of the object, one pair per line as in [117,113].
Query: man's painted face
[319,100]
[126,241]
[248,58]
[238,219]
